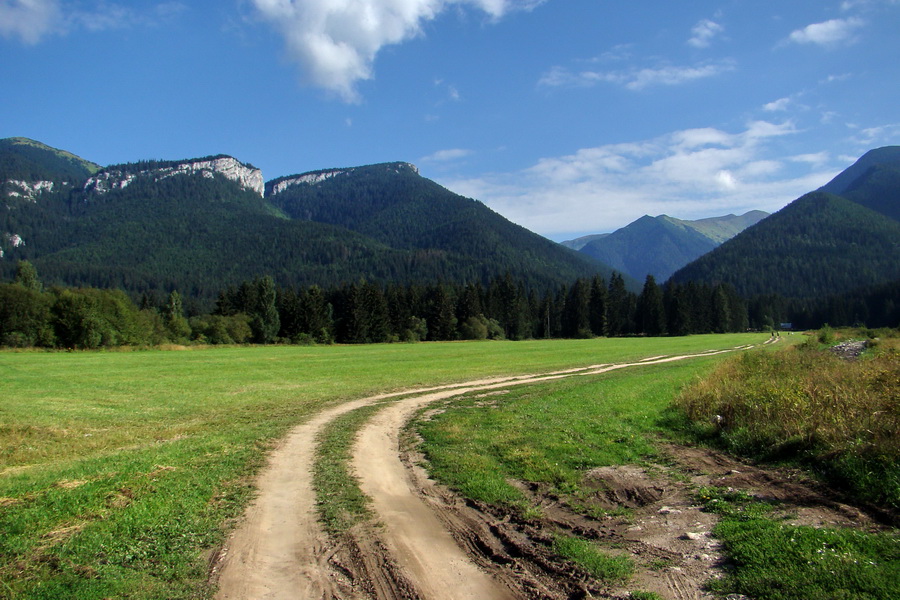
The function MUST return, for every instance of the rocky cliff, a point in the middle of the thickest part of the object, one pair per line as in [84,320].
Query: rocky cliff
[119,177]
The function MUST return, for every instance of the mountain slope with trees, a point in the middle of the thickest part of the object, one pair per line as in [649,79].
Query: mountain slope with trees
[818,245]
[836,241]
[887,155]
[394,205]
[27,160]
[661,245]
[154,226]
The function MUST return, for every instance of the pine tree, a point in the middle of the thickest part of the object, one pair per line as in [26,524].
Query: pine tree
[27,277]
[264,319]
[598,306]
[651,313]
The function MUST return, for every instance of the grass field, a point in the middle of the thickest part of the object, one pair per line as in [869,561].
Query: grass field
[120,471]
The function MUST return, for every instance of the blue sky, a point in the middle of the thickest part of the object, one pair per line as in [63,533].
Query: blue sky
[566,116]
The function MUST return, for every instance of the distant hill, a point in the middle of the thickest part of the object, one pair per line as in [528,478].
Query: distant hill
[661,245]
[821,244]
[29,168]
[873,181]
[28,160]
[200,225]
[818,245]
[581,242]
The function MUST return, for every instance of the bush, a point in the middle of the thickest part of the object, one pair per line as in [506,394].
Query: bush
[24,317]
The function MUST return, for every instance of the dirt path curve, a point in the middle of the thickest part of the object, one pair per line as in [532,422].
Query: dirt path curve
[281,552]
[415,536]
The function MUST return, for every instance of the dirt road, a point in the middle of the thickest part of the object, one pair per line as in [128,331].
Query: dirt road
[428,544]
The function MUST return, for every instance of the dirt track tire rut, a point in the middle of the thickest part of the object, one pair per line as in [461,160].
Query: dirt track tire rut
[279,551]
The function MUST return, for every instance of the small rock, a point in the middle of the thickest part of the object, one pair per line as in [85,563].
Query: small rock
[668,510]
[692,535]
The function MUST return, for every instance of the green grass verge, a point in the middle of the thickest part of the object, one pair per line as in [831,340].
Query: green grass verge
[552,433]
[773,560]
[119,471]
[340,502]
[603,566]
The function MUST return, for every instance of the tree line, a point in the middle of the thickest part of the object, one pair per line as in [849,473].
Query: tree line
[258,311]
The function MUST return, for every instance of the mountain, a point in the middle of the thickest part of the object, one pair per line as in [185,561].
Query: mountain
[872,181]
[821,244]
[394,205]
[200,225]
[888,155]
[29,168]
[581,242]
[818,245]
[661,245]
[722,229]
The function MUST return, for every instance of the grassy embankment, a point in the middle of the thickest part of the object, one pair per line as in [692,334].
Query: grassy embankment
[120,470]
[807,408]
[552,434]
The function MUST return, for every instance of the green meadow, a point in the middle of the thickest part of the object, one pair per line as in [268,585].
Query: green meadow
[121,472]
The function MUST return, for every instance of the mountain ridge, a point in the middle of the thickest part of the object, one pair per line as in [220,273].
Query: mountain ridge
[200,225]
[661,245]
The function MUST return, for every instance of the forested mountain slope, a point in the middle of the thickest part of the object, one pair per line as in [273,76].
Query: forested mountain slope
[839,239]
[818,245]
[393,204]
[200,225]
[887,155]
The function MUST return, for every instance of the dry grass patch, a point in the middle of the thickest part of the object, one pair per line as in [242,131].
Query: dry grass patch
[841,417]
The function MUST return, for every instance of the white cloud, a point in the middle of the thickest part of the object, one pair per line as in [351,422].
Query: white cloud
[854,4]
[33,20]
[103,17]
[689,174]
[816,159]
[828,33]
[704,32]
[29,20]
[336,41]
[636,78]
[446,155]
[881,135]
[777,105]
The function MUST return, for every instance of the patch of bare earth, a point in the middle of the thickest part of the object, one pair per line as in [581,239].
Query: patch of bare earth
[651,516]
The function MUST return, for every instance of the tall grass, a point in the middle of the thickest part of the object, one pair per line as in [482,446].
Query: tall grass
[840,417]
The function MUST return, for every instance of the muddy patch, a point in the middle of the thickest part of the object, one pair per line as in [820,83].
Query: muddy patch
[647,512]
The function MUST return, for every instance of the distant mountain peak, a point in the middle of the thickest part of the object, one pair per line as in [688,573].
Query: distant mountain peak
[661,245]
[23,142]
[872,158]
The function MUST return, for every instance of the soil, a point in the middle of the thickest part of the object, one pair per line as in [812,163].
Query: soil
[426,542]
